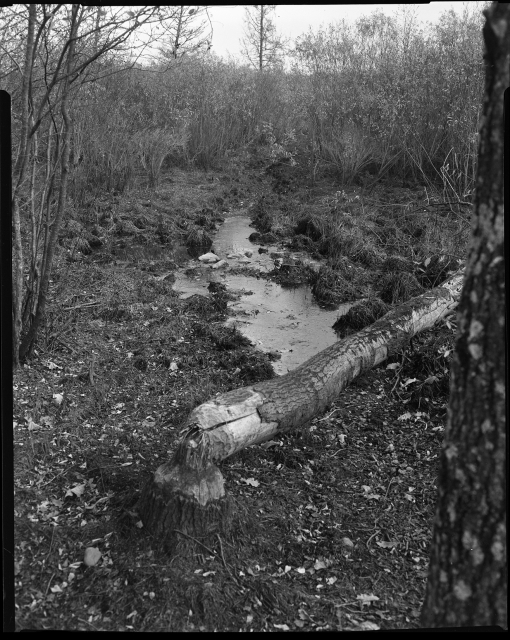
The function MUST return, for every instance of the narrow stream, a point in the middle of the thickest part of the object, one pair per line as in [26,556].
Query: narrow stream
[274,318]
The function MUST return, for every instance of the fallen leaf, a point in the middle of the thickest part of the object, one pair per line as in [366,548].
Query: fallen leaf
[386,545]
[347,542]
[283,627]
[404,416]
[367,625]
[393,365]
[92,556]
[271,443]
[78,490]
[301,570]
[33,426]
[320,564]
[251,481]
[366,598]
[331,580]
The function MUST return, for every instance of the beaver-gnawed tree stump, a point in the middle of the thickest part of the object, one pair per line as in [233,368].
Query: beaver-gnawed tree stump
[187,494]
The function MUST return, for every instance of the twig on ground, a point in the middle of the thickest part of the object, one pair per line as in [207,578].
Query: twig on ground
[388,488]
[80,306]
[328,416]
[89,623]
[49,582]
[221,550]
[197,541]
[372,536]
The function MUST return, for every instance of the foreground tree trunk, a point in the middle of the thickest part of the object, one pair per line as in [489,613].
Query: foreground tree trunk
[467,583]
[188,492]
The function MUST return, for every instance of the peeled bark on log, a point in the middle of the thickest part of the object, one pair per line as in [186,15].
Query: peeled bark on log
[188,493]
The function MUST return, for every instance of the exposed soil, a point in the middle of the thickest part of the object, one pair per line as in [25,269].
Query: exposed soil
[332,523]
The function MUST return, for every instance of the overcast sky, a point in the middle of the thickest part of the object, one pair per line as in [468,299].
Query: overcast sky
[293,20]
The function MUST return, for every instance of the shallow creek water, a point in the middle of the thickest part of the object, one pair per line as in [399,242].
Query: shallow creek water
[274,318]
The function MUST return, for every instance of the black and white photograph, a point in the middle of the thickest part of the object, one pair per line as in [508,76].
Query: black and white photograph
[253,339]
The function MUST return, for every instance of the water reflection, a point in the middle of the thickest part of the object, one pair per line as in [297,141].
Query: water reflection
[274,318]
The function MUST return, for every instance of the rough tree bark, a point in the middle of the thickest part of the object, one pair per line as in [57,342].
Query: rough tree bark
[467,584]
[187,493]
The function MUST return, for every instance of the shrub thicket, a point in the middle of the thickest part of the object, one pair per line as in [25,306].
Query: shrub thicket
[382,96]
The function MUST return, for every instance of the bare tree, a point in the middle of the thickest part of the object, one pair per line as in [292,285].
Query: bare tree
[185,32]
[62,47]
[262,46]
[467,583]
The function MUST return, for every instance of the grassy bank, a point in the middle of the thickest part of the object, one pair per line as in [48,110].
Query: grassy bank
[388,242]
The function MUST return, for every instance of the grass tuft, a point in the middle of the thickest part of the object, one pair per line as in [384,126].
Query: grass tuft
[394,287]
[361,315]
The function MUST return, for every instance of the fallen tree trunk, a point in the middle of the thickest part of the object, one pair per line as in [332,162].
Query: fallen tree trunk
[188,493]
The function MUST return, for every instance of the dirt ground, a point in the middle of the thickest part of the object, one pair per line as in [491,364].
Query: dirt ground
[331,524]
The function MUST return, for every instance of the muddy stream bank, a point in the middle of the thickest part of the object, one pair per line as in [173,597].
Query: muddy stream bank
[275,318]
